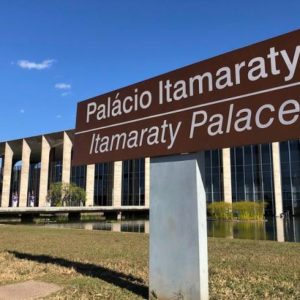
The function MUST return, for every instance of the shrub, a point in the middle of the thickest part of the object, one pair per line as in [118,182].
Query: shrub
[242,210]
[248,210]
[220,210]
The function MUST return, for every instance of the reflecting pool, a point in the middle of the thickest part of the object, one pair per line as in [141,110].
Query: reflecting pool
[276,229]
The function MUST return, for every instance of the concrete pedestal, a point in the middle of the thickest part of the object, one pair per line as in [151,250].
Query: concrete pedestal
[279,229]
[178,230]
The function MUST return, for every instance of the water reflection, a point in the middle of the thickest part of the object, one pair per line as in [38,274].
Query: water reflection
[276,229]
[123,226]
[239,230]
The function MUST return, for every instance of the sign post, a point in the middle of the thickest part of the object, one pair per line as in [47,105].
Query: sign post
[247,96]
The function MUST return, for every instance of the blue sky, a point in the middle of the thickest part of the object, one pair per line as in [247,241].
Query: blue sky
[56,53]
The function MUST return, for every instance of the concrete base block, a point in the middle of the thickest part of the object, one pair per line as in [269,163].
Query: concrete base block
[178,230]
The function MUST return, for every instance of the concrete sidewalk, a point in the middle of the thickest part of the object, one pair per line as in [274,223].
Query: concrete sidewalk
[27,290]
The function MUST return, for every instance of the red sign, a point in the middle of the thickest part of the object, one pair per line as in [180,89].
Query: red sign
[247,96]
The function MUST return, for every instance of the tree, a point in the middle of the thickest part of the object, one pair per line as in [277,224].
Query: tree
[66,194]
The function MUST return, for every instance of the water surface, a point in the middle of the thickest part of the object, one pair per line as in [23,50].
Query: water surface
[275,229]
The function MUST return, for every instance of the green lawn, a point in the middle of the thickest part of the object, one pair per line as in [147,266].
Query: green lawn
[108,265]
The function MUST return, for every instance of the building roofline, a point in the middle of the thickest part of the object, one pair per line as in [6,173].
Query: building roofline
[39,135]
[17,143]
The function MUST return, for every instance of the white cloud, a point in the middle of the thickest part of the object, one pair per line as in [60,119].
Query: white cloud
[22,111]
[30,65]
[58,116]
[63,86]
[64,94]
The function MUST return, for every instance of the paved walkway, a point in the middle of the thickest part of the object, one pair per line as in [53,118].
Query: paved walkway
[27,290]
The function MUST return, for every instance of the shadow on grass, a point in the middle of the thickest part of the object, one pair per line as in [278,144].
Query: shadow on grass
[131,283]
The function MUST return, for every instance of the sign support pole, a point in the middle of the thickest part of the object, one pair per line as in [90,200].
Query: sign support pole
[178,229]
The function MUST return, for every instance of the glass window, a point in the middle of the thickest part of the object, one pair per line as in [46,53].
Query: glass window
[290,175]
[213,182]
[133,182]
[251,174]
[103,184]
[15,183]
[78,176]
[34,184]
[55,172]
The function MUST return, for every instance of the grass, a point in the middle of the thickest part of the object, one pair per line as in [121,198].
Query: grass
[109,265]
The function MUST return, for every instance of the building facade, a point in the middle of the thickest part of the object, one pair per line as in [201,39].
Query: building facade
[268,173]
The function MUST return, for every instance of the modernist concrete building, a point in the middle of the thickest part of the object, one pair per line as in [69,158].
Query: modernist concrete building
[269,173]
